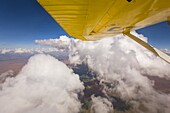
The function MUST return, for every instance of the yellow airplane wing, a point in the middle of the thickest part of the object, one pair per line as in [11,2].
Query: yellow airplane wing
[94,19]
[85,19]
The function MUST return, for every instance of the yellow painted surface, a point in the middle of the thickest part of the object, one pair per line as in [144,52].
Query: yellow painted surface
[93,19]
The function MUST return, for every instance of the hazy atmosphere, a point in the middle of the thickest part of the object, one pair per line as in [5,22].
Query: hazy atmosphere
[110,75]
[44,70]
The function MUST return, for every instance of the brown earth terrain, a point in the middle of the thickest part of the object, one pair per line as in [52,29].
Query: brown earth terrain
[14,65]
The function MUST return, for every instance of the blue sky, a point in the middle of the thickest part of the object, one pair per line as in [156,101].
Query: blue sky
[23,21]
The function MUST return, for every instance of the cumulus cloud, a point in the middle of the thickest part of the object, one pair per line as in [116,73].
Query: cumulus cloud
[101,105]
[147,61]
[44,85]
[4,76]
[28,51]
[167,51]
[4,51]
[62,43]
[125,65]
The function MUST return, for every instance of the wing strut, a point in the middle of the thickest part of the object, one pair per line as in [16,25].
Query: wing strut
[149,47]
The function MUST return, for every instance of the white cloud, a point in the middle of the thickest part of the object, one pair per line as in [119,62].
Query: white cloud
[101,105]
[147,62]
[44,85]
[166,51]
[62,43]
[4,51]
[123,63]
[21,50]
[29,51]
[5,75]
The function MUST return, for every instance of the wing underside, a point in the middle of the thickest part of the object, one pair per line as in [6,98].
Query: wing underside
[93,19]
